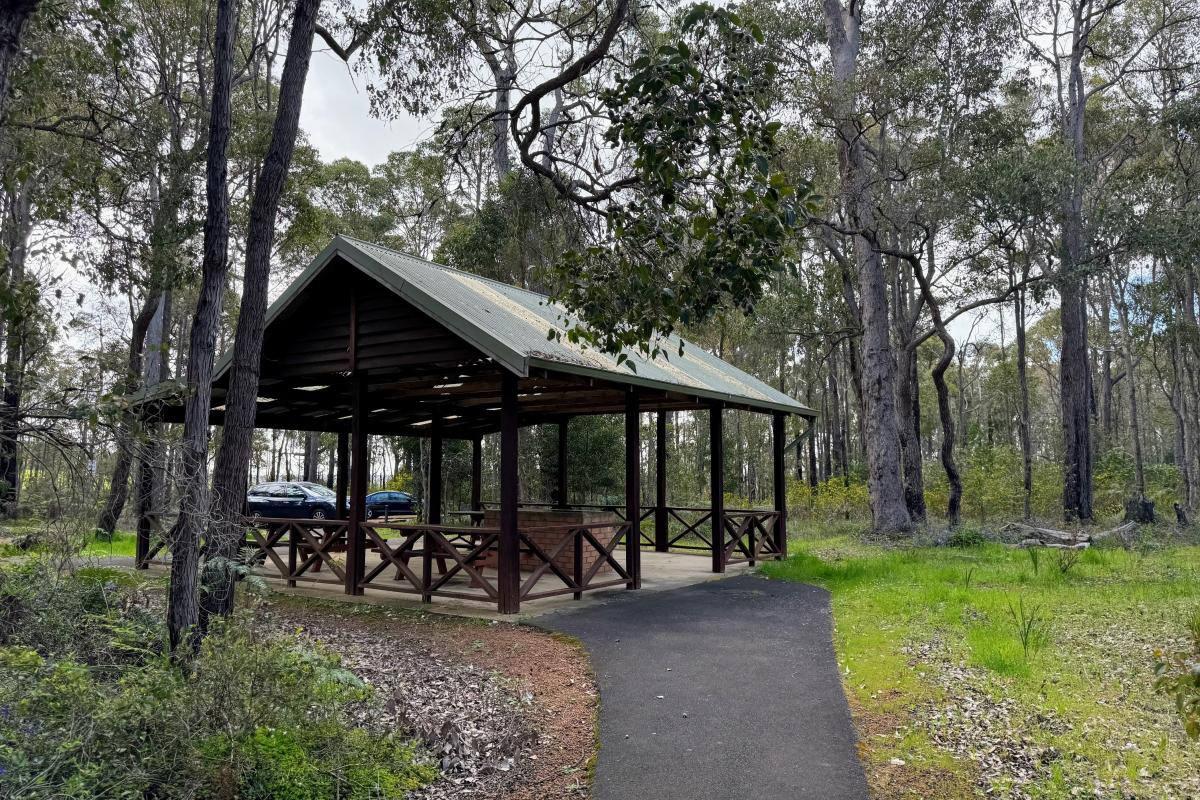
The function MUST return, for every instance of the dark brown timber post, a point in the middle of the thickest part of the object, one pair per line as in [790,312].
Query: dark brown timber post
[358,486]
[476,473]
[661,536]
[508,561]
[433,514]
[777,434]
[633,489]
[343,474]
[716,451]
[561,501]
[144,501]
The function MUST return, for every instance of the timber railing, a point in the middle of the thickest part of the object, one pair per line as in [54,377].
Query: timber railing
[152,538]
[455,551]
[308,545]
[752,535]
[427,558]
[573,558]
[647,513]
[749,533]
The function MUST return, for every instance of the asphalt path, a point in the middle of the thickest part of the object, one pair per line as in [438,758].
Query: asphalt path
[723,690]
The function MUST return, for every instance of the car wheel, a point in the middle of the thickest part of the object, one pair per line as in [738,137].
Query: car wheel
[370,513]
[319,513]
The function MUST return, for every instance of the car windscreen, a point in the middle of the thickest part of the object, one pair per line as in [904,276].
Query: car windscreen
[318,490]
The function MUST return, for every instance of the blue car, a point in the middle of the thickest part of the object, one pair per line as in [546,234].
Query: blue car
[389,504]
[292,500]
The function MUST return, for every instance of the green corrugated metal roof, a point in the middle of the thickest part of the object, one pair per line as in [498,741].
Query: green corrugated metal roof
[511,325]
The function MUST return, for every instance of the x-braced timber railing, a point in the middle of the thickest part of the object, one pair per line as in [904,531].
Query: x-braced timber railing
[308,545]
[456,552]
[580,557]
[647,513]
[751,535]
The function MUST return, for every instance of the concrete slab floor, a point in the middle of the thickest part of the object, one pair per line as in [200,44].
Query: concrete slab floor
[660,572]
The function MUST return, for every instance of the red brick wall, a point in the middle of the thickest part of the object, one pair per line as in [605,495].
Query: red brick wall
[547,527]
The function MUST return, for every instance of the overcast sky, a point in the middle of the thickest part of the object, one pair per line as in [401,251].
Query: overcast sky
[337,116]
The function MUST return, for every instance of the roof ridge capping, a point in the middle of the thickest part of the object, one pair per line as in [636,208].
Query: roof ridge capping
[431,263]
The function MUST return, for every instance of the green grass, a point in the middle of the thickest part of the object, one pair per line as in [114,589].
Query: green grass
[122,544]
[915,626]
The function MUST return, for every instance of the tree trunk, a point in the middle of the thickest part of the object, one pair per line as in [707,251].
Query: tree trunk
[1139,464]
[18,228]
[908,404]
[881,434]
[312,455]
[118,488]
[837,443]
[945,414]
[14,14]
[183,608]
[1024,420]
[231,471]
[1074,369]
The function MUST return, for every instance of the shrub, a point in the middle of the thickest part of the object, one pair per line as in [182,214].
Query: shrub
[1178,674]
[965,537]
[100,617]
[90,706]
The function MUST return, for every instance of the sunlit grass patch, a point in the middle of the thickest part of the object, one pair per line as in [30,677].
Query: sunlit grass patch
[1064,644]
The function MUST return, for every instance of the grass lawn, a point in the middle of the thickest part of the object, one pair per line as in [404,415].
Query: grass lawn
[948,703]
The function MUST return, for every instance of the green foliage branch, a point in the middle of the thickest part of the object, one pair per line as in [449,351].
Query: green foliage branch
[706,219]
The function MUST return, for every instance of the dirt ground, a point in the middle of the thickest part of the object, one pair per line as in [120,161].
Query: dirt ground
[451,663]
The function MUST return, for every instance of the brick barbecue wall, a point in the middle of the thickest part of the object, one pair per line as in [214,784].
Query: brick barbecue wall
[533,523]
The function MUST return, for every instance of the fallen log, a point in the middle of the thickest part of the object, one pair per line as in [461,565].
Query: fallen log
[1120,529]
[1026,543]
[1035,536]
[1046,535]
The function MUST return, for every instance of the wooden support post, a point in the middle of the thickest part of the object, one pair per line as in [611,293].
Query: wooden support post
[633,489]
[562,501]
[433,514]
[661,530]
[343,473]
[293,544]
[508,561]
[778,431]
[355,549]
[577,563]
[716,450]
[477,473]
[144,501]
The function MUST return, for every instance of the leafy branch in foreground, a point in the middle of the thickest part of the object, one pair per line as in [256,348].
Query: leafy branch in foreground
[707,219]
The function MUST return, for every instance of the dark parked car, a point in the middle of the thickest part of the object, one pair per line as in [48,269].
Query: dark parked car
[292,500]
[389,504]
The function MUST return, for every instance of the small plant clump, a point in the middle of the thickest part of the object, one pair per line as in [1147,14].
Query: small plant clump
[1067,559]
[1033,629]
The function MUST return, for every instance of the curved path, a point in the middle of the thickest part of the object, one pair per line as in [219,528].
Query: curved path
[723,690]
